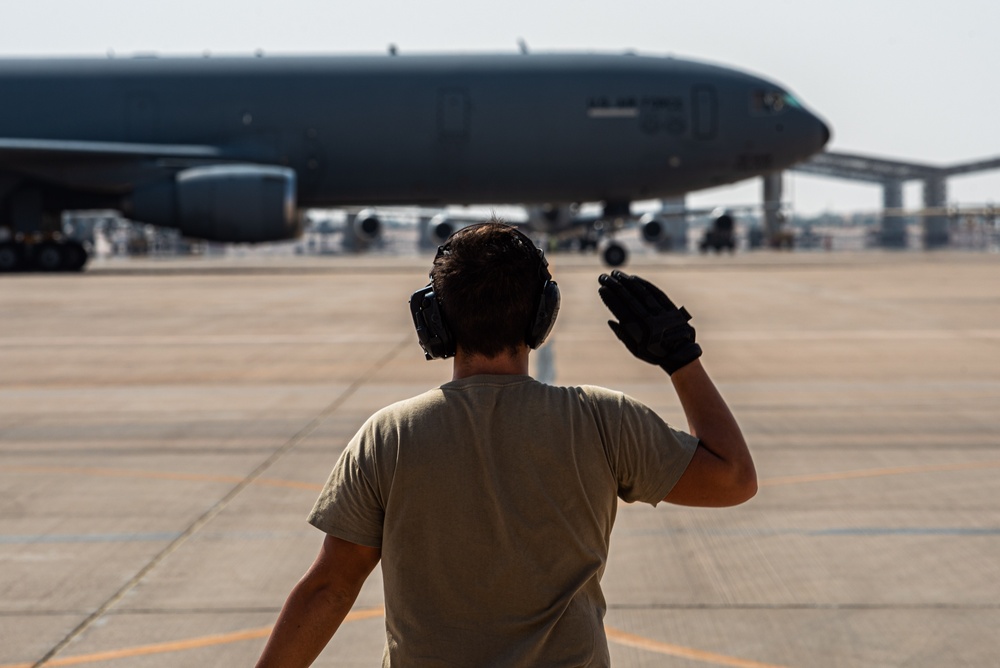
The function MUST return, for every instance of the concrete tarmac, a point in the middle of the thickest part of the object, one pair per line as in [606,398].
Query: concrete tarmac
[166,425]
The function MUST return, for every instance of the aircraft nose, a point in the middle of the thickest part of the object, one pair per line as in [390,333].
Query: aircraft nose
[824,133]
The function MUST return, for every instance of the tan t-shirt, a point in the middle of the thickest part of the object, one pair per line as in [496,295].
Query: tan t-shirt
[493,499]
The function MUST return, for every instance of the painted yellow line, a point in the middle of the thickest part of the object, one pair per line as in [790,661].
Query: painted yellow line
[639,642]
[160,475]
[181,645]
[874,473]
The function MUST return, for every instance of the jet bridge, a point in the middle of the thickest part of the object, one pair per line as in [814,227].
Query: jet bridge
[891,175]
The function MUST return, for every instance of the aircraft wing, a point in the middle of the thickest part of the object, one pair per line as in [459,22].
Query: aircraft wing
[43,150]
[100,166]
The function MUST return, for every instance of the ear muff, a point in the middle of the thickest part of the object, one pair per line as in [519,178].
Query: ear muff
[545,316]
[432,330]
[436,338]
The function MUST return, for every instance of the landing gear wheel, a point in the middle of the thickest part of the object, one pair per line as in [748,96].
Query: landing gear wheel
[48,256]
[74,256]
[11,257]
[614,254]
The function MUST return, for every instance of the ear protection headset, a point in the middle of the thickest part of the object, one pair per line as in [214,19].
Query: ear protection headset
[432,329]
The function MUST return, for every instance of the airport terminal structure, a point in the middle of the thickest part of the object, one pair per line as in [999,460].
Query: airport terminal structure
[891,175]
[935,216]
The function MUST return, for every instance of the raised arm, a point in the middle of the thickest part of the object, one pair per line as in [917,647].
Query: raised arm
[722,472]
[318,604]
[655,330]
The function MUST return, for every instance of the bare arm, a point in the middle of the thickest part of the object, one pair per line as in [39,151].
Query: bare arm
[657,331]
[722,472]
[318,603]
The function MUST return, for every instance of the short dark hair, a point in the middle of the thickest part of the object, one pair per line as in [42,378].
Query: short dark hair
[488,280]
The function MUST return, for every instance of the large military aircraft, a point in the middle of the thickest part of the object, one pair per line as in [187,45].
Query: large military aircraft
[231,149]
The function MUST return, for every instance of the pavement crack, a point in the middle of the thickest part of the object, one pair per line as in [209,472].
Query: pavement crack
[222,503]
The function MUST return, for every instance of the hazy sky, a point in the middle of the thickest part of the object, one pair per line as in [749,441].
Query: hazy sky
[910,79]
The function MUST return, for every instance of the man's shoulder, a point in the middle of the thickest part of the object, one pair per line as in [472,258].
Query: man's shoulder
[599,392]
[410,405]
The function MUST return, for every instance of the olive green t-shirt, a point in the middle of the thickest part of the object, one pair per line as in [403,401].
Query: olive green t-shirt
[492,499]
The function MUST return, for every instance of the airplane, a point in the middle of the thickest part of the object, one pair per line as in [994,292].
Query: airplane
[358,230]
[588,231]
[233,149]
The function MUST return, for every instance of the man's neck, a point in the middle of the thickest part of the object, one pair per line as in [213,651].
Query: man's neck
[466,365]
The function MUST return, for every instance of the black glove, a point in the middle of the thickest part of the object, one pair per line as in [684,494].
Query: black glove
[649,324]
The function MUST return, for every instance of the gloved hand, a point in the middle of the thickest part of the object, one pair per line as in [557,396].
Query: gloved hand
[649,324]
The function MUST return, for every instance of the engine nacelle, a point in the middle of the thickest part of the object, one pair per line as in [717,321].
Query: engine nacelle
[228,203]
[440,228]
[653,228]
[366,226]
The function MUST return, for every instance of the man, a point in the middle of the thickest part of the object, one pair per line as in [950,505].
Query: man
[490,500]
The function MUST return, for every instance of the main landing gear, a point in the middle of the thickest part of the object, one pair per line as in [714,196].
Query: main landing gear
[48,255]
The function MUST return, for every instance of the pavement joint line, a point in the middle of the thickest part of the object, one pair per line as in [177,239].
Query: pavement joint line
[861,607]
[161,475]
[190,340]
[48,658]
[324,340]
[875,473]
[315,487]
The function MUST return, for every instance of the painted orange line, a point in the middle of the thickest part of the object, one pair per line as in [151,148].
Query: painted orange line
[294,484]
[639,642]
[613,634]
[160,475]
[181,645]
[162,648]
[874,473]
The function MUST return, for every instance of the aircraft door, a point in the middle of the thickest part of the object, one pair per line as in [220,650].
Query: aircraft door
[705,108]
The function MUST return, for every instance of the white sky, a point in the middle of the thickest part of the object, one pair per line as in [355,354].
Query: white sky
[910,79]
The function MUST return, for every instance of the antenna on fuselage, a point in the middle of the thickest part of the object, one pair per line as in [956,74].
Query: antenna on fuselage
[522,45]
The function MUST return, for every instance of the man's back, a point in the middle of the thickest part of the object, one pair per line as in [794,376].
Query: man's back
[492,499]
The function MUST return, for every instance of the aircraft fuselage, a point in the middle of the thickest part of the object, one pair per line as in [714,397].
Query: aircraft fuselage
[409,129]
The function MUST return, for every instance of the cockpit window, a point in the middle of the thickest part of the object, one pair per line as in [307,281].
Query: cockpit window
[792,102]
[771,101]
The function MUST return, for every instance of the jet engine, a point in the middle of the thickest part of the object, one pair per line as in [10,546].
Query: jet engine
[228,203]
[366,226]
[440,228]
[653,228]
